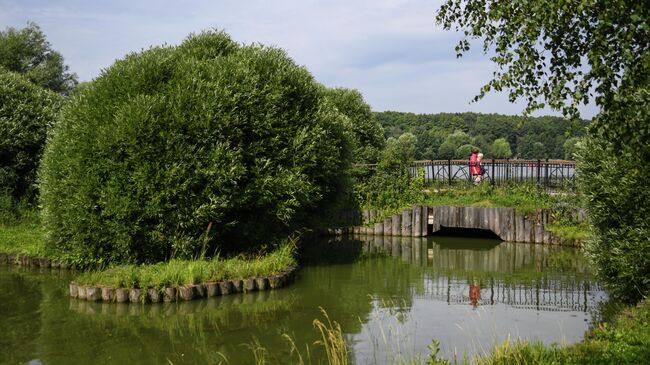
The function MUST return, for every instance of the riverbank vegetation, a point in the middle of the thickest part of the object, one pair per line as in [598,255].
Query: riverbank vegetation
[21,231]
[623,340]
[179,272]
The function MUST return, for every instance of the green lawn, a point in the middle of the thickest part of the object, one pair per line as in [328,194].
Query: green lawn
[23,238]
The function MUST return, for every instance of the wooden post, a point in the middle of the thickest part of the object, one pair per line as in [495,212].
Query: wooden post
[388,226]
[397,225]
[379,229]
[407,224]
[417,221]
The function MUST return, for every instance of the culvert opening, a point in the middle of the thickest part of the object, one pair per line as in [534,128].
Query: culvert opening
[464,232]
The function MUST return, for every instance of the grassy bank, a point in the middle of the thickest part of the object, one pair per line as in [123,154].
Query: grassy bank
[184,272]
[21,231]
[625,340]
[523,197]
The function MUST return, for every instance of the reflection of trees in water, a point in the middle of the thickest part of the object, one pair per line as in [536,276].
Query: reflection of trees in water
[476,271]
[20,299]
[195,332]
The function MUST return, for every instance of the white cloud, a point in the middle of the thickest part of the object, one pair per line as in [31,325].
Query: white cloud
[390,50]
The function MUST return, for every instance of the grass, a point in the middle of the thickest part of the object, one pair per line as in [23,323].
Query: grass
[625,340]
[20,230]
[525,197]
[569,232]
[185,272]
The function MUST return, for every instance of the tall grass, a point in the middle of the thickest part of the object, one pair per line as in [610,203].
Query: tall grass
[184,272]
[332,340]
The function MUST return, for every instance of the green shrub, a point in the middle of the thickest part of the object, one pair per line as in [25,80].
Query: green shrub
[26,113]
[393,185]
[173,140]
[367,134]
[615,180]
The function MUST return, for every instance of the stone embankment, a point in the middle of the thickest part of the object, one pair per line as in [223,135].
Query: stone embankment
[180,293]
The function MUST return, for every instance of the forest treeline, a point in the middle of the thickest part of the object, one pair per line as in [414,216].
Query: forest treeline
[453,135]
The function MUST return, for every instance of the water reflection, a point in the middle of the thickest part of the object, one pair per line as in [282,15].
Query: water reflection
[490,291]
[482,271]
[391,295]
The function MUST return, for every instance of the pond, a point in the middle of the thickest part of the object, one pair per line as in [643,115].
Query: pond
[391,296]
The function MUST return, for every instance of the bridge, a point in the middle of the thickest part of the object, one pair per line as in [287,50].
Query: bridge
[549,173]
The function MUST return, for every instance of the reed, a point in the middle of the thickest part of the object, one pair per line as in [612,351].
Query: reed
[332,340]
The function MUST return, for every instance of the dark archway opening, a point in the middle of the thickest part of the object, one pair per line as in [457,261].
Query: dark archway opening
[465,238]
[463,232]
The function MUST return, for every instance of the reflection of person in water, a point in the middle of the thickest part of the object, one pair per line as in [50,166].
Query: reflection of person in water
[474,294]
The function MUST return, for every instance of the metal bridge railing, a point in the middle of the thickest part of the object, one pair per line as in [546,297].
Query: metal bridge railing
[549,173]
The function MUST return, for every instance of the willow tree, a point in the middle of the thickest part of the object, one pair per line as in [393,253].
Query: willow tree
[564,53]
[205,146]
[26,51]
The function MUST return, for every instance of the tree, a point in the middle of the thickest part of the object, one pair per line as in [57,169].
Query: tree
[464,151]
[27,52]
[570,147]
[27,112]
[451,144]
[367,134]
[553,52]
[500,148]
[566,53]
[209,146]
[393,186]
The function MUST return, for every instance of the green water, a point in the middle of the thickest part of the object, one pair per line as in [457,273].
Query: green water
[391,297]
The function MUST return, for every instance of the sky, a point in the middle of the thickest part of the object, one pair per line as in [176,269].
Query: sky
[390,50]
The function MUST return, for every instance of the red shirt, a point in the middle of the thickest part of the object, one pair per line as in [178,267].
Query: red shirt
[473,165]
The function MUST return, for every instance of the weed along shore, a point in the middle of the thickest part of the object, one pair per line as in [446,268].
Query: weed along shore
[184,280]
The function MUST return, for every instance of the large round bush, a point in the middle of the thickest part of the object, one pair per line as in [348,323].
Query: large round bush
[201,147]
[367,135]
[26,113]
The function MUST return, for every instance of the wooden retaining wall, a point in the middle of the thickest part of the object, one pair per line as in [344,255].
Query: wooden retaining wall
[96,293]
[419,221]
[32,261]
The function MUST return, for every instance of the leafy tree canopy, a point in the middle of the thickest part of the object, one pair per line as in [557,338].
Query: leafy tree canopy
[566,53]
[27,112]
[556,52]
[26,51]
[500,148]
[209,146]
[432,130]
[367,134]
